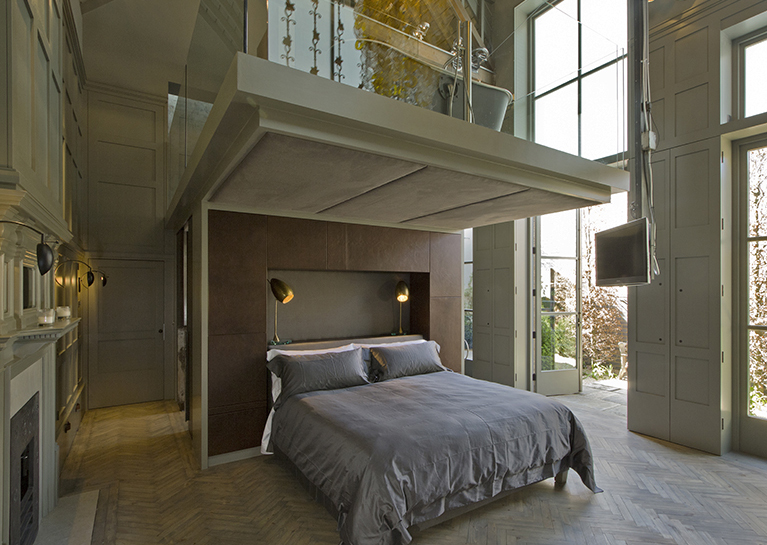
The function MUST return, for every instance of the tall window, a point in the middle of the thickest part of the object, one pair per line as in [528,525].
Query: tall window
[578,77]
[755,76]
[756,237]
[468,292]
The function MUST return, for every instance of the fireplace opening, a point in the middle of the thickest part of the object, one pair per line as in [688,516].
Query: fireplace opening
[25,478]
[27,500]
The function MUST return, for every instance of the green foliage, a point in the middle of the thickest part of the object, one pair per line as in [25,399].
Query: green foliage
[601,371]
[468,328]
[757,400]
[468,293]
[560,340]
[757,271]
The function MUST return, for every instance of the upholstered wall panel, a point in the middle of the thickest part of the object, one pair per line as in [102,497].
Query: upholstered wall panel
[420,307]
[235,370]
[336,247]
[445,252]
[237,272]
[297,244]
[386,249]
[235,430]
[446,330]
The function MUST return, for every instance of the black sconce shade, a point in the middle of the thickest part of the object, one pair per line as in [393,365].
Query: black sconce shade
[44,257]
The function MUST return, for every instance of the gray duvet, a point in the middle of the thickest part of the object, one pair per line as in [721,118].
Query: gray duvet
[396,453]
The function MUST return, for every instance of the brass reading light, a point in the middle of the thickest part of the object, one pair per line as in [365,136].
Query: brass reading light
[45,256]
[282,294]
[403,294]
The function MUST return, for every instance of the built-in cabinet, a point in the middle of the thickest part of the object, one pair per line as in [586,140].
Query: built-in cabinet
[242,248]
[681,364]
[501,304]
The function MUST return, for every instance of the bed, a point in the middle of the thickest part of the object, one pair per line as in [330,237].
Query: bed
[392,439]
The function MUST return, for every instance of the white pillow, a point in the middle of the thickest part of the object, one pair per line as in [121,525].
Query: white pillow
[277,384]
[366,347]
[274,352]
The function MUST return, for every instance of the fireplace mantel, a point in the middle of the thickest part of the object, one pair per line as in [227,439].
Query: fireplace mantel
[25,341]
[27,366]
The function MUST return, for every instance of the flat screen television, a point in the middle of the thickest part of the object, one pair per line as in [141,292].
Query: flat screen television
[623,254]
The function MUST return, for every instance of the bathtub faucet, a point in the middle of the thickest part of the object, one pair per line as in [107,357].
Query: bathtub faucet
[478,56]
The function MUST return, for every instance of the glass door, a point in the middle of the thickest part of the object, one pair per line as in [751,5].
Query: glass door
[557,301]
[753,418]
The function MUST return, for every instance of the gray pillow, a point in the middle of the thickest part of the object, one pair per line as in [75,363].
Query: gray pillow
[400,361]
[310,372]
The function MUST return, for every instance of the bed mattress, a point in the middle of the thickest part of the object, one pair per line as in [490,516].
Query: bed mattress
[397,453]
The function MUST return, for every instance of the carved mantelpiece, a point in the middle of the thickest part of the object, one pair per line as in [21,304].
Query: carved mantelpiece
[27,341]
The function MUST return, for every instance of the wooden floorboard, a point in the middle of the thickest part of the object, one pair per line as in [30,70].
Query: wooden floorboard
[140,458]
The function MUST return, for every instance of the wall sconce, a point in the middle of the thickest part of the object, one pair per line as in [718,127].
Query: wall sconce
[90,276]
[403,294]
[101,275]
[282,294]
[45,255]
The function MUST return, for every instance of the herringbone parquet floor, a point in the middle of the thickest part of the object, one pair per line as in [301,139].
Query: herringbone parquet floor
[140,458]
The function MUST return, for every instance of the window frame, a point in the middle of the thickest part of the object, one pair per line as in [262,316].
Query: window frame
[751,430]
[469,355]
[578,79]
[739,64]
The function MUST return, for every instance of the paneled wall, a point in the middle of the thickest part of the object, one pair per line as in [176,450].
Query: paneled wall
[243,247]
[501,339]
[42,170]
[31,137]
[680,359]
[75,130]
[126,237]
[126,198]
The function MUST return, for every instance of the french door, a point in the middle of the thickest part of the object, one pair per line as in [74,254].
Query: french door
[753,298]
[557,303]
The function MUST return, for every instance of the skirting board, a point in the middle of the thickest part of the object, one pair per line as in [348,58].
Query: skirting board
[235,456]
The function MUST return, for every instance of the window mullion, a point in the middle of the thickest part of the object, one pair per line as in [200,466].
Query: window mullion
[580,80]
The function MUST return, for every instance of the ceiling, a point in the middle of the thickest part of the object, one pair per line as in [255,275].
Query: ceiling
[139,45]
[143,44]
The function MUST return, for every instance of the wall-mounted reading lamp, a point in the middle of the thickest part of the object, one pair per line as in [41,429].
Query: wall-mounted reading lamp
[45,255]
[102,275]
[403,294]
[282,294]
[90,276]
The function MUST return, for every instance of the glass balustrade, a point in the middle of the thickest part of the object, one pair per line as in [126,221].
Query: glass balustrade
[538,72]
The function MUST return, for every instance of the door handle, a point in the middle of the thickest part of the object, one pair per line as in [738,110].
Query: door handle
[162,330]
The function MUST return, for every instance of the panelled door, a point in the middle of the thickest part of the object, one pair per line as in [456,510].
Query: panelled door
[557,303]
[126,333]
[753,302]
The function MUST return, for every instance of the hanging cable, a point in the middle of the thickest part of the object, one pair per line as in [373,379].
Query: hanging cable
[646,170]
